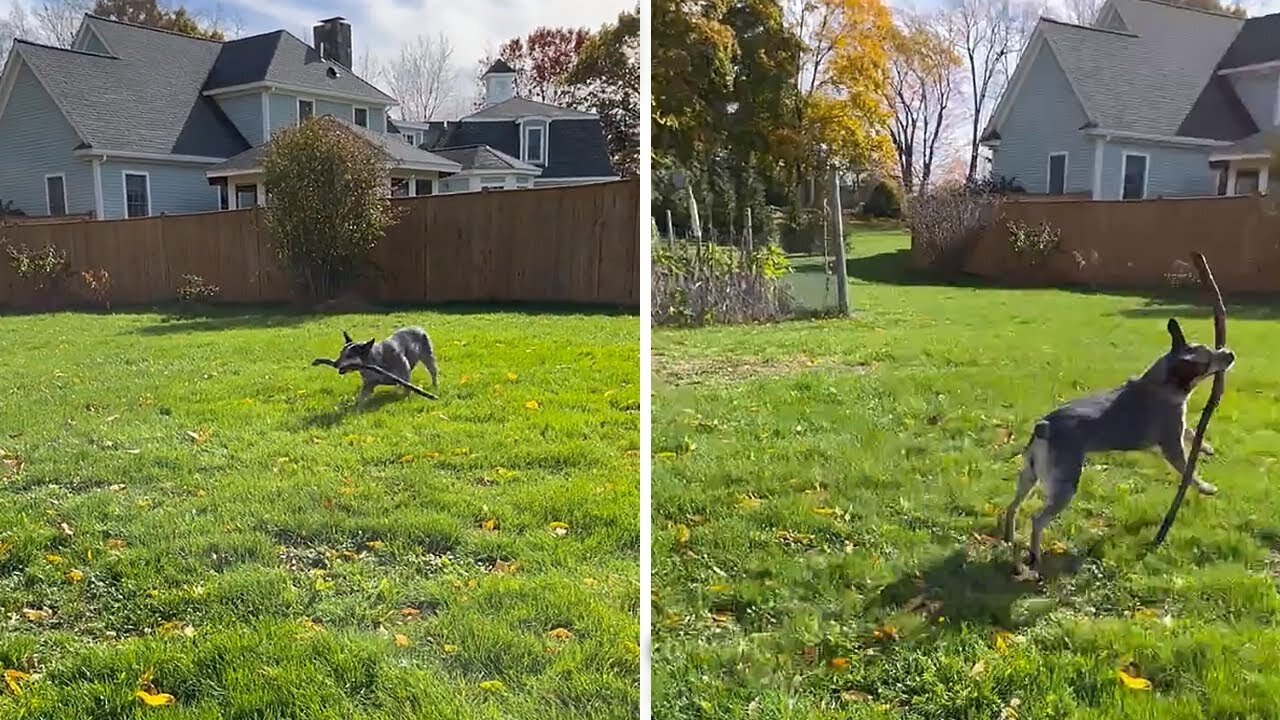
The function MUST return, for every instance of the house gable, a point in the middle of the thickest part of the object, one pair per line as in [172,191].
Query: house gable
[36,140]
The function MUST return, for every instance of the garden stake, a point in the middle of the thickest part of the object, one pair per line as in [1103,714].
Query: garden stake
[1215,395]
[399,381]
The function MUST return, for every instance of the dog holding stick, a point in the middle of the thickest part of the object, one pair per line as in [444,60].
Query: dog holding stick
[1145,412]
[389,362]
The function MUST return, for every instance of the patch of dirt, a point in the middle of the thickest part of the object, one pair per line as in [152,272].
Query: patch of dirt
[729,369]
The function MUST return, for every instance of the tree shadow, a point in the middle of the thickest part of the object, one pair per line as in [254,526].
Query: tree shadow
[961,590]
[178,321]
[1189,305]
[340,414]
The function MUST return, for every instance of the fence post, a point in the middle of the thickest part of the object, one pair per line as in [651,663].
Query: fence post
[842,271]
[671,230]
[751,241]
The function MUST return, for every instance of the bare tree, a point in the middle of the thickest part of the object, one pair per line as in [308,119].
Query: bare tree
[229,22]
[985,34]
[422,77]
[923,74]
[1081,12]
[57,21]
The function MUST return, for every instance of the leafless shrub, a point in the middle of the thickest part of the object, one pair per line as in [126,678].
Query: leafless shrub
[945,224]
[1034,243]
[713,284]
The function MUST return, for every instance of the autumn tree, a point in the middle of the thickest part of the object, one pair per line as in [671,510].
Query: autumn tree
[542,61]
[607,77]
[923,71]
[422,76]
[326,243]
[842,115]
[151,14]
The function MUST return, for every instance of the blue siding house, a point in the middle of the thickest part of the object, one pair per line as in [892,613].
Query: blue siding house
[132,121]
[1152,100]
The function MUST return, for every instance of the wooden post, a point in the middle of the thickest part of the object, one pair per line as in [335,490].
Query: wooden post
[671,230]
[842,272]
[749,238]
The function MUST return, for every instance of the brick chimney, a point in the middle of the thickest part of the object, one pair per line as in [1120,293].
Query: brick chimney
[332,38]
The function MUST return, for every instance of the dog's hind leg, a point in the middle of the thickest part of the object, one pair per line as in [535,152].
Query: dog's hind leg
[429,362]
[1060,486]
[1189,436]
[1026,481]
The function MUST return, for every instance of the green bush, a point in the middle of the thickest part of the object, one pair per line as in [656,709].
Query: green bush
[885,201]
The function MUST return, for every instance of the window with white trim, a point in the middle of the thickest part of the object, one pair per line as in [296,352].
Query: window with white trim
[408,138]
[1057,184]
[534,144]
[224,196]
[1247,182]
[360,116]
[306,110]
[55,194]
[137,195]
[399,187]
[422,186]
[246,196]
[493,183]
[1134,178]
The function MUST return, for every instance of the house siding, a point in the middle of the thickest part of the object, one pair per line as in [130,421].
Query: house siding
[36,140]
[1258,93]
[245,112]
[284,111]
[1045,118]
[1171,172]
[174,188]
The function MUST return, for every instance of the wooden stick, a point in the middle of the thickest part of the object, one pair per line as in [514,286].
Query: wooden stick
[399,381]
[1215,395]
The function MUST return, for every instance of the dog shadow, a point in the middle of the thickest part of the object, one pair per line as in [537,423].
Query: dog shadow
[961,590]
[336,416]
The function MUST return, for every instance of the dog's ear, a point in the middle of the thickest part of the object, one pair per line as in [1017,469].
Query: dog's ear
[346,338]
[366,347]
[1178,341]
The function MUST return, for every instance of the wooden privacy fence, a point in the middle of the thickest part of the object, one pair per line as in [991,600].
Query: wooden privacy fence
[578,244]
[1140,244]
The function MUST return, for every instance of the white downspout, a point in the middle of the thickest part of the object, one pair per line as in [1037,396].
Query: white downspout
[1098,144]
[99,208]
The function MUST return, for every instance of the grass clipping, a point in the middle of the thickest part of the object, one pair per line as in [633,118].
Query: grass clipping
[1215,395]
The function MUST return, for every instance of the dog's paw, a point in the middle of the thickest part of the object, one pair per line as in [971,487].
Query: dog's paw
[1206,449]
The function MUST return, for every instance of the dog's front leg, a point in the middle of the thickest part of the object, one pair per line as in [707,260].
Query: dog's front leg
[366,391]
[1189,436]
[1176,454]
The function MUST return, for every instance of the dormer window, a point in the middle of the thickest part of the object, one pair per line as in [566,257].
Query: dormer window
[535,144]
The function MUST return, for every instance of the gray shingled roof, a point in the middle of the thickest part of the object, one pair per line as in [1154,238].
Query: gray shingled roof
[145,99]
[400,152]
[1258,42]
[483,157]
[575,148]
[499,66]
[1146,80]
[518,107]
[280,57]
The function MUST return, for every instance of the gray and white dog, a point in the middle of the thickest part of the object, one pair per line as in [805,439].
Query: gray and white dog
[1145,412]
[398,354]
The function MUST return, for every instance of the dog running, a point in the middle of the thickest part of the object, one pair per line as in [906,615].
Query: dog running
[1145,412]
[398,355]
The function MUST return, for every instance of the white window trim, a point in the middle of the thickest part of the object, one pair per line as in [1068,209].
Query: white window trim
[524,146]
[124,190]
[233,195]
[413,187]
[297,108]
[1048,171]
[1146,172]
[48,201]
[408,138]
[367,116]
[391,186]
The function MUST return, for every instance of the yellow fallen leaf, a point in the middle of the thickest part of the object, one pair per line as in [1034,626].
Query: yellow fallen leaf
[977,669]
[12,678]
[154,699]
[824,512]
[464,379]
[375,544]
[406,459]
[36,616]
[1057,547]
[1003,640]
[75,576]
[410,612]
[53,559]
[402,641]
[749,502]
[490,525]
[590,582]
[559,529]
[840,663]
[66,530]
[493,686]
[1146,613]
[682,534]
[851,696]
[1133,683]
[718,588]
[888,632]
[450,649]
[502,567]
[511,376]
[560,634]
[116,544]
[531,405]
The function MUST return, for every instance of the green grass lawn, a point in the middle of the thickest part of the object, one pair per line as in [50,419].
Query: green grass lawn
[187,503]
[826,496]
